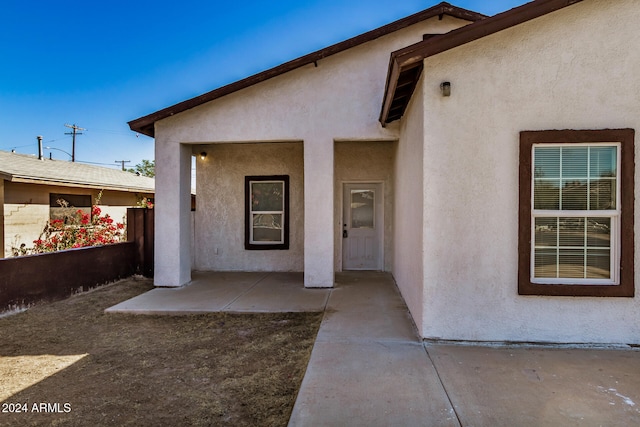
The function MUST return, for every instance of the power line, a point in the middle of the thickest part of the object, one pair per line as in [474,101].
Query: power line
[116,132]
[58,139]
[13,147]
[96,163]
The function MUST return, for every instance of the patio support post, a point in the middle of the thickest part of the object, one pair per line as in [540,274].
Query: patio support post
[318,213]
[172,259]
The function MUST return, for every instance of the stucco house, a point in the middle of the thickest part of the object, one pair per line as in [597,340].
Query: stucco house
[33,191]
[486,162]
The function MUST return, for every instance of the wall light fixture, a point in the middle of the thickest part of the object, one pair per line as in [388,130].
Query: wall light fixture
[445,88]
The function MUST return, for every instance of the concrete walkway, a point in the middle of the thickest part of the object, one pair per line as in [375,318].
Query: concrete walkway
[369,368]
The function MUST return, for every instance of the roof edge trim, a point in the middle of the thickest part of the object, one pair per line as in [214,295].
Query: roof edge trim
[409,56]
[78,184]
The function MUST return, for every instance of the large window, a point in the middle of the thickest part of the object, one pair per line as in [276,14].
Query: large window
[63,206]
[576,213]
[267,212]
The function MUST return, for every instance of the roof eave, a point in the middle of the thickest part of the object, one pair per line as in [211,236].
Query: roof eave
[409,56]
[146,125]
[78,184]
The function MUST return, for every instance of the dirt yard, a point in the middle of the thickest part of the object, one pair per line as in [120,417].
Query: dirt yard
[69,363]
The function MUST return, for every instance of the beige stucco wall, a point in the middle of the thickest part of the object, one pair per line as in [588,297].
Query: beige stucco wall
[573,69]
[408,208]
[26,209]
[366,162]
[23,224]
[219,216]
[116,203]
[337,99]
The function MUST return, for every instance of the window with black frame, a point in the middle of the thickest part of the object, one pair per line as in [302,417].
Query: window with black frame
[267,212]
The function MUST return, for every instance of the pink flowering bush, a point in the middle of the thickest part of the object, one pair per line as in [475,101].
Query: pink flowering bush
[79,230]
[145,203]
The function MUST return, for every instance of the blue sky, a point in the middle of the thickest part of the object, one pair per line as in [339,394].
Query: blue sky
[102,64]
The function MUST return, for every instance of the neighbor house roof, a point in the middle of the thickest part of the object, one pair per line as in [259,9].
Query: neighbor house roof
[29,169]
[145,125]
[406,64]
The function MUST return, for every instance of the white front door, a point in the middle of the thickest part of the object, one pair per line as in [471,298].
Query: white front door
[362,227]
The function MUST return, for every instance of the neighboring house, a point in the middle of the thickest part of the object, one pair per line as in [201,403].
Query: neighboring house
[415,149]
[34,191]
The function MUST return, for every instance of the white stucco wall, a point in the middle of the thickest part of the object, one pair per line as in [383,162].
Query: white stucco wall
[219,216]
[573,69]
[365,162]
[408,208]
[339,99]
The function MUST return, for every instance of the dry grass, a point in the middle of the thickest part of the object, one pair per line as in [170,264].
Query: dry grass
[114,369]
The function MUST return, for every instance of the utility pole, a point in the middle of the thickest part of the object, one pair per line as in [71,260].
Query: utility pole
[123,162]
[74,133]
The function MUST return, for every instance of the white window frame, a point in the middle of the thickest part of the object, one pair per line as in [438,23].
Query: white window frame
[278,212]
[612,214]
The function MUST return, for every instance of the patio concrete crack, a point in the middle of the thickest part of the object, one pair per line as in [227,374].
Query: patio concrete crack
[245,292]
[446,392]
[326,301]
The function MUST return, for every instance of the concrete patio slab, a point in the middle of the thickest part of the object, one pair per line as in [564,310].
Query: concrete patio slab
[540,386]
[229,292]
[280,292]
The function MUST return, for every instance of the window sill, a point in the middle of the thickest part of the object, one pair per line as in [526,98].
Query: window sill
[622,290]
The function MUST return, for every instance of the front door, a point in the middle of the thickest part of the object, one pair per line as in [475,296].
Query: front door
[362,227]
